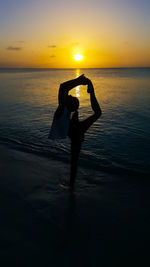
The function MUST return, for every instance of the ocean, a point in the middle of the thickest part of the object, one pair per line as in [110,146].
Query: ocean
[117,143]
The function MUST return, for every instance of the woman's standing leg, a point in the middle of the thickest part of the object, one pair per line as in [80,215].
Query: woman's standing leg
[75,151]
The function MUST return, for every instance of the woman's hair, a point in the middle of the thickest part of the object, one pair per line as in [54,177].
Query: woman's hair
[72,103]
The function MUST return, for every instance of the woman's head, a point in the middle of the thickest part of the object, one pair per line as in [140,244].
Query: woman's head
[72,103]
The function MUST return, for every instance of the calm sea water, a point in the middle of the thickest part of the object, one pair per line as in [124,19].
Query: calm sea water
[119,142]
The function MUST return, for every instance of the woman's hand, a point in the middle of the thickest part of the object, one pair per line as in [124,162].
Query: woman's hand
[90,88]
[83,80]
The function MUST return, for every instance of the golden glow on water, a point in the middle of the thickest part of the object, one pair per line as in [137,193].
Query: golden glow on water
[78,87]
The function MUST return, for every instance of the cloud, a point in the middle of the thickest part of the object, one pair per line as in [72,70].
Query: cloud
[52,56]
[12,48]
[52,46]
[21,42]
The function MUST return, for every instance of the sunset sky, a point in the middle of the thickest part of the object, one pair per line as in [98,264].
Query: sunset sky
[48,33]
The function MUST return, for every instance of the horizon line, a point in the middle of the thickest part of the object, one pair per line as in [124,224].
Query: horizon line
[146,67]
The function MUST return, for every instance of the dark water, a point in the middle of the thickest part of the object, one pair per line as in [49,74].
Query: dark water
[119,142]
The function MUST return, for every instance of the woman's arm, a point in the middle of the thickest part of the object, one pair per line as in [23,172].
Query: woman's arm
[63,92]
[94,103]
[95,106]
[67,86]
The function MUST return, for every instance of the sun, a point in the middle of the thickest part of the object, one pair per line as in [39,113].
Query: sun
[78,57]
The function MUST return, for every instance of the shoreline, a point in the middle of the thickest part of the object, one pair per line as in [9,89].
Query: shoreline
[42,223]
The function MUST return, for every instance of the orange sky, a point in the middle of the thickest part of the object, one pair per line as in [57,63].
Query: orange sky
[47,34]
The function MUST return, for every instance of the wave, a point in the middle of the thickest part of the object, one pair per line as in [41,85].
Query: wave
[88,160]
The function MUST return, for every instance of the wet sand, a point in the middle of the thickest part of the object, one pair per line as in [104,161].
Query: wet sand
[44,224]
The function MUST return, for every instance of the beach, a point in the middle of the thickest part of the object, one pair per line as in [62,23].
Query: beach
[45,224]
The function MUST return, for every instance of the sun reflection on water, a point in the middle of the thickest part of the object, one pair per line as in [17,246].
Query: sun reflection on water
[77,87]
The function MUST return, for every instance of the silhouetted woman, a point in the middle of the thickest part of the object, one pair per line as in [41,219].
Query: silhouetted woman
[63,126]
